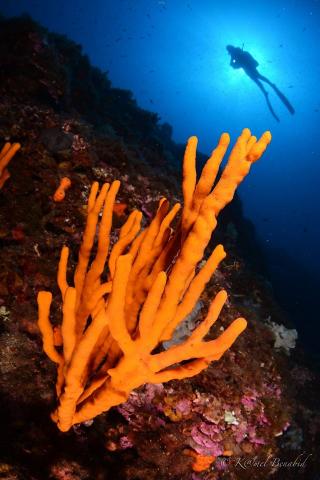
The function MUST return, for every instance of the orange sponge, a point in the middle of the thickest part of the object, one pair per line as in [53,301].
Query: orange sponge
[60,193]
[127,301]
[6,154]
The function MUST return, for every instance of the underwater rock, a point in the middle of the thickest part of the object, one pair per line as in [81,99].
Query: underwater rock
[56,140]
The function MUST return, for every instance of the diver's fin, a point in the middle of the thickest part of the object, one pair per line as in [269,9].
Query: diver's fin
[282,97]
[284,100]
[273,113]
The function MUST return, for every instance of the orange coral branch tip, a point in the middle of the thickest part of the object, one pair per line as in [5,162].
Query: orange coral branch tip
[8,151]
[6,154]
[189,171]
[92,195]
[211,318]
[259,147]
[62,270]
[228,337]
[44,301]
[60,193]
[224,139]
[4,149]
[4,177]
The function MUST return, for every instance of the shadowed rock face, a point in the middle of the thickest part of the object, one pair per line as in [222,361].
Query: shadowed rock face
[55,140]
[296,289]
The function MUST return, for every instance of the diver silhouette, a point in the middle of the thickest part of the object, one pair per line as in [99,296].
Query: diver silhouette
[243,59]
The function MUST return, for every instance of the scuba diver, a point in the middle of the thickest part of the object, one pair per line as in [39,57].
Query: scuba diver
[243,59]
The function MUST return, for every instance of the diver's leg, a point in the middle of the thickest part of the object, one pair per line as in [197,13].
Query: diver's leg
[282,97]
[265,93]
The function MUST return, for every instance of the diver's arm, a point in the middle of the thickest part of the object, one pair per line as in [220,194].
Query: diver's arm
[234,63]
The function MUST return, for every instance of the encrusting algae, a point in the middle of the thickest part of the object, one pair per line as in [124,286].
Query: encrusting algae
[110,329]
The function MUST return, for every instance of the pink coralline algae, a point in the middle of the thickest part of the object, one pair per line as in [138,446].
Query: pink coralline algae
[247,431]
[140,411]
[240,432]
[249,400]
[206,439]
[252,436]
[125,442]
[252,399]
[216,426]
[183,406]
[272,390]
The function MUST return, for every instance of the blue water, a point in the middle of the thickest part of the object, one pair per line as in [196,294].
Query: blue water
[172,55]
